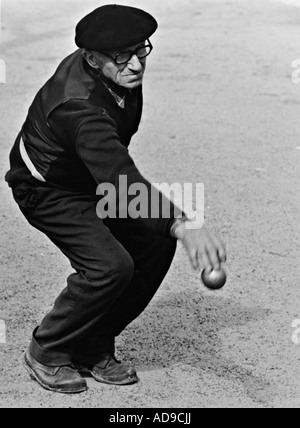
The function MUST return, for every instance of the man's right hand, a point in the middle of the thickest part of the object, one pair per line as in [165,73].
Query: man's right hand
[205,250]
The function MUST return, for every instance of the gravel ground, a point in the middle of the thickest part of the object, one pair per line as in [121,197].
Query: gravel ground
[220,109]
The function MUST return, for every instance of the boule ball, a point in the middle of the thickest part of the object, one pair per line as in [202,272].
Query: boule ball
[215,279]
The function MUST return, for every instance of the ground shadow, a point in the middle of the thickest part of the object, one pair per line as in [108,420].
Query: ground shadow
[185,328]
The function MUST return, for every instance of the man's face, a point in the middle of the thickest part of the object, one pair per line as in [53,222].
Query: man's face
[129,75]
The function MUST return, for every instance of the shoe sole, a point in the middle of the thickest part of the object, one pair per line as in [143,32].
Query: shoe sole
[129,380]
[35,377]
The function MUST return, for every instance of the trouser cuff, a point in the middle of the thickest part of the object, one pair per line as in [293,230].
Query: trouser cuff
[48,357]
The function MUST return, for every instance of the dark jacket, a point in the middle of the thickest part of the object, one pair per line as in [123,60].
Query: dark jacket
[77,136]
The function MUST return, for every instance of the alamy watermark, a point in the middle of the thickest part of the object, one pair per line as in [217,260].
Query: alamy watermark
[296,332]
[154,201]
[2,63]
[2,332]
[296,73]
[2,71]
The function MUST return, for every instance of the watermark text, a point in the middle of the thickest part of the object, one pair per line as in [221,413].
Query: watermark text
[155,201]
[296,332]
[296,72]
[2,71]
[2,332]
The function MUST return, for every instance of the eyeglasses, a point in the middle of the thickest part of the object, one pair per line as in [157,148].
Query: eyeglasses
[124,57]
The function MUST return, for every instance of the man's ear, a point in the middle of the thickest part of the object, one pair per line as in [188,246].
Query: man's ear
[91,60]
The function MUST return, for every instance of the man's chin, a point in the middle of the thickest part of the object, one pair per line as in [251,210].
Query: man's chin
[133,81]
[132,85]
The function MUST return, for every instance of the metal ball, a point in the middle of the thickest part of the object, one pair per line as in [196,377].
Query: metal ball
[215,279]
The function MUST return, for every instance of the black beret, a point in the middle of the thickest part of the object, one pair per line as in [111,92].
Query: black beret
[114,27]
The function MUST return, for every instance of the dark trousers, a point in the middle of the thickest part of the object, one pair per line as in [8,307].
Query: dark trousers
[119,265]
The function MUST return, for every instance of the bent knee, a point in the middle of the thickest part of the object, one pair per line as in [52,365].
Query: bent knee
[123,267]
[120,266]
[117,267]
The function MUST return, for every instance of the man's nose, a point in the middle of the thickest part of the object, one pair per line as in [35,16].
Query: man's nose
[135,64]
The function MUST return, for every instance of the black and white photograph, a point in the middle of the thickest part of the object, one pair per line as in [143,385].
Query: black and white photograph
[150,201]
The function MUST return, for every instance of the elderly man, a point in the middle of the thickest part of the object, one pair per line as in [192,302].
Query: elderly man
[75,138]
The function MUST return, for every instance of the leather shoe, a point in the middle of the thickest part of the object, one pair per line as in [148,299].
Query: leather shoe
[109,370]
[65,380]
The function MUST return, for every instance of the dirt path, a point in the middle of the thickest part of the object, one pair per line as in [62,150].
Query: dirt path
[220,108]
